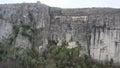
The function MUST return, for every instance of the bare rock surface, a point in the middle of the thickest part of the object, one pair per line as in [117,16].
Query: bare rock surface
[96,30]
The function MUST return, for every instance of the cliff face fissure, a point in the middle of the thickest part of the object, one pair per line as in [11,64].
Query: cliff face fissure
[96,30]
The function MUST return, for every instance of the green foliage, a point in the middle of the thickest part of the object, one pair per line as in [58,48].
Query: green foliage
[38,38]
[4,49]
[30,59]
[6,44]
[86,56]
[16,30]
[55,57]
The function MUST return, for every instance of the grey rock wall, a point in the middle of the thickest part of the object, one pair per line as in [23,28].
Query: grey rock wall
[24,21]
[96,30]
[105,38]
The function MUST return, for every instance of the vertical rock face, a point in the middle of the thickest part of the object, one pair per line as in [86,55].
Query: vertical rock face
[105,38]
[26,22]
[69,29]
[5,29]
[96,30]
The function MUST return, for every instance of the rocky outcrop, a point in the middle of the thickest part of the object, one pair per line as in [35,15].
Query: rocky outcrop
[96,30]
[105,38]
[24,21]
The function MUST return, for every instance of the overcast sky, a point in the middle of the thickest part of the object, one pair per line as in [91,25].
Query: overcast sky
[71,3]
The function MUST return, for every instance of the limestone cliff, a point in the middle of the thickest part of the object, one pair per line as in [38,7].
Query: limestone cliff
[96,30]
[26,21]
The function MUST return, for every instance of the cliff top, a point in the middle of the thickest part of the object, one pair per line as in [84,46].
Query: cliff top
[67,11]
